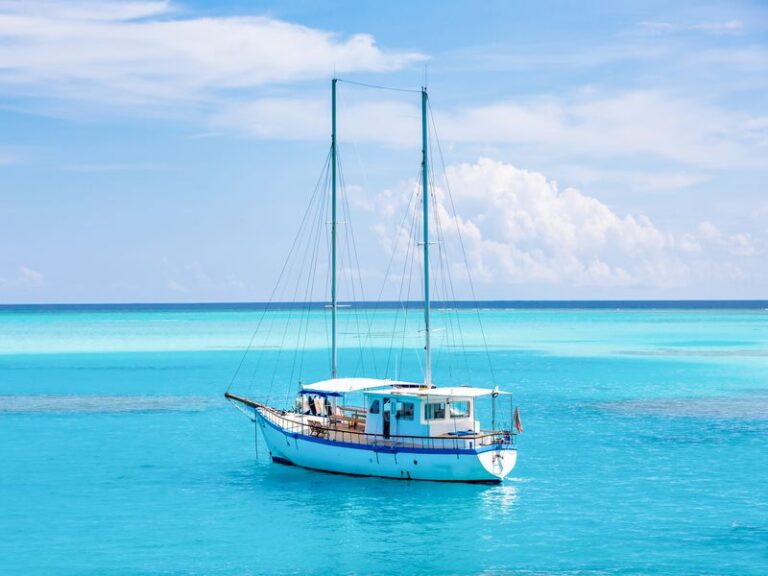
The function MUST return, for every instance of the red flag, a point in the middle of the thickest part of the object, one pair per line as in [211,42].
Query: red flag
[518,422]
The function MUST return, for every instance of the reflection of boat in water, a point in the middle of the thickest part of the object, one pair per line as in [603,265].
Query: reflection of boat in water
[404,430]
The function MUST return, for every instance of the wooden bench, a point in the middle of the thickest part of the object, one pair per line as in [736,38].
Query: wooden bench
[316,429]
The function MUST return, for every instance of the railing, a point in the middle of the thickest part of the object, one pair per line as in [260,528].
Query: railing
[316,426]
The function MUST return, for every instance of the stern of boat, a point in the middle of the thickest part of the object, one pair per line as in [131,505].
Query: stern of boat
[499,463]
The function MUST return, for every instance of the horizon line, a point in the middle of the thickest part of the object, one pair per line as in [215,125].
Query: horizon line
[393,303]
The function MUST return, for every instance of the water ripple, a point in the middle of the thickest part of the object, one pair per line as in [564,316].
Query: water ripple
[103,404]
[748,408]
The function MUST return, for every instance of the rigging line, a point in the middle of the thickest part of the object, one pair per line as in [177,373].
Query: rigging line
[379,86]
[444,271]
[367,314]
[449,294]
[421,284]
[293,262]
[304,320]
[345,269]
[350,242]
[408,254]
[445,262]
[408,273]
[444,255]
[277,284]
[353,243]
[399,233]
[409,230]
[440,272]
[409,239]
[290,312]
[325,315]
[313,264]
[313,205]
[312,289]
[461,242]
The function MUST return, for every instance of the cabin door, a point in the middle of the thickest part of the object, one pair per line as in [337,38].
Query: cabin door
[386,417]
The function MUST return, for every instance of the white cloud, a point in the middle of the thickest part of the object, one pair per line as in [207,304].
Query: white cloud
[641,123]
[740,244]
[663,27]
[111,167]
[520,228]
[6,159]
[651,181]
[25,278]
[148,52]
[157,56]
[383,121]
[709,231]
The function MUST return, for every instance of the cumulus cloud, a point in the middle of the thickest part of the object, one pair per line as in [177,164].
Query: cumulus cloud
[518,227]
[152,52]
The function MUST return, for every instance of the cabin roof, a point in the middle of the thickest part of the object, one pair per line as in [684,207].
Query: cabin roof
[444,392]
[345,385]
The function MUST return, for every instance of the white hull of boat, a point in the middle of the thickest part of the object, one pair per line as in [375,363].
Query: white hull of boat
[461,464]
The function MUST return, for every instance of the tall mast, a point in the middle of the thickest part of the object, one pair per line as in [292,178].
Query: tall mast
[425,221]
[333,228]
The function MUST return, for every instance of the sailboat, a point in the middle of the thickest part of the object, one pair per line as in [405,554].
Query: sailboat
[402,430]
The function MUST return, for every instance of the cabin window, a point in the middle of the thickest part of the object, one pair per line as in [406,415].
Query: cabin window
[460,409]
[434,411]
[374,409]
[404,411]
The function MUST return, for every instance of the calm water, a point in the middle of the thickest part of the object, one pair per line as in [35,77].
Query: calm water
[645,448]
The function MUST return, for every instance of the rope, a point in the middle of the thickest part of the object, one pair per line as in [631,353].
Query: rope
[279,278]
[379,87]
[463,250]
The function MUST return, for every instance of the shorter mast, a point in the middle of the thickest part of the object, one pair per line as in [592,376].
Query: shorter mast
[425,226]
[333,228]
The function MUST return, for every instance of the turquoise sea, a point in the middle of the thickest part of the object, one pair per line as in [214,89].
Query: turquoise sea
[645,448]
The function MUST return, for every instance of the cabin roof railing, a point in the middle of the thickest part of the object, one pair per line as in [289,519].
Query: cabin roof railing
[438,392]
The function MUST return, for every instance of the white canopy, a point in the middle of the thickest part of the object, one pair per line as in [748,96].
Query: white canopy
[345,385]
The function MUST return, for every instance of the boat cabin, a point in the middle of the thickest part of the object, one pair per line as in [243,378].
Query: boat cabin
[422,411]
[395,408]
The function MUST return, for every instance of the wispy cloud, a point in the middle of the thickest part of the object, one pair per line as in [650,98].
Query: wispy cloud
[111,167]
[640,123]
[7,158]
[25,278]
[639,180]
[150,52]
[664,27]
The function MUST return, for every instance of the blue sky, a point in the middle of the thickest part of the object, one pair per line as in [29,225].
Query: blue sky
[156,152]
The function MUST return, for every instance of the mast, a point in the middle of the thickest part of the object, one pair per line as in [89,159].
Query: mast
[333,228]
[425,225]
